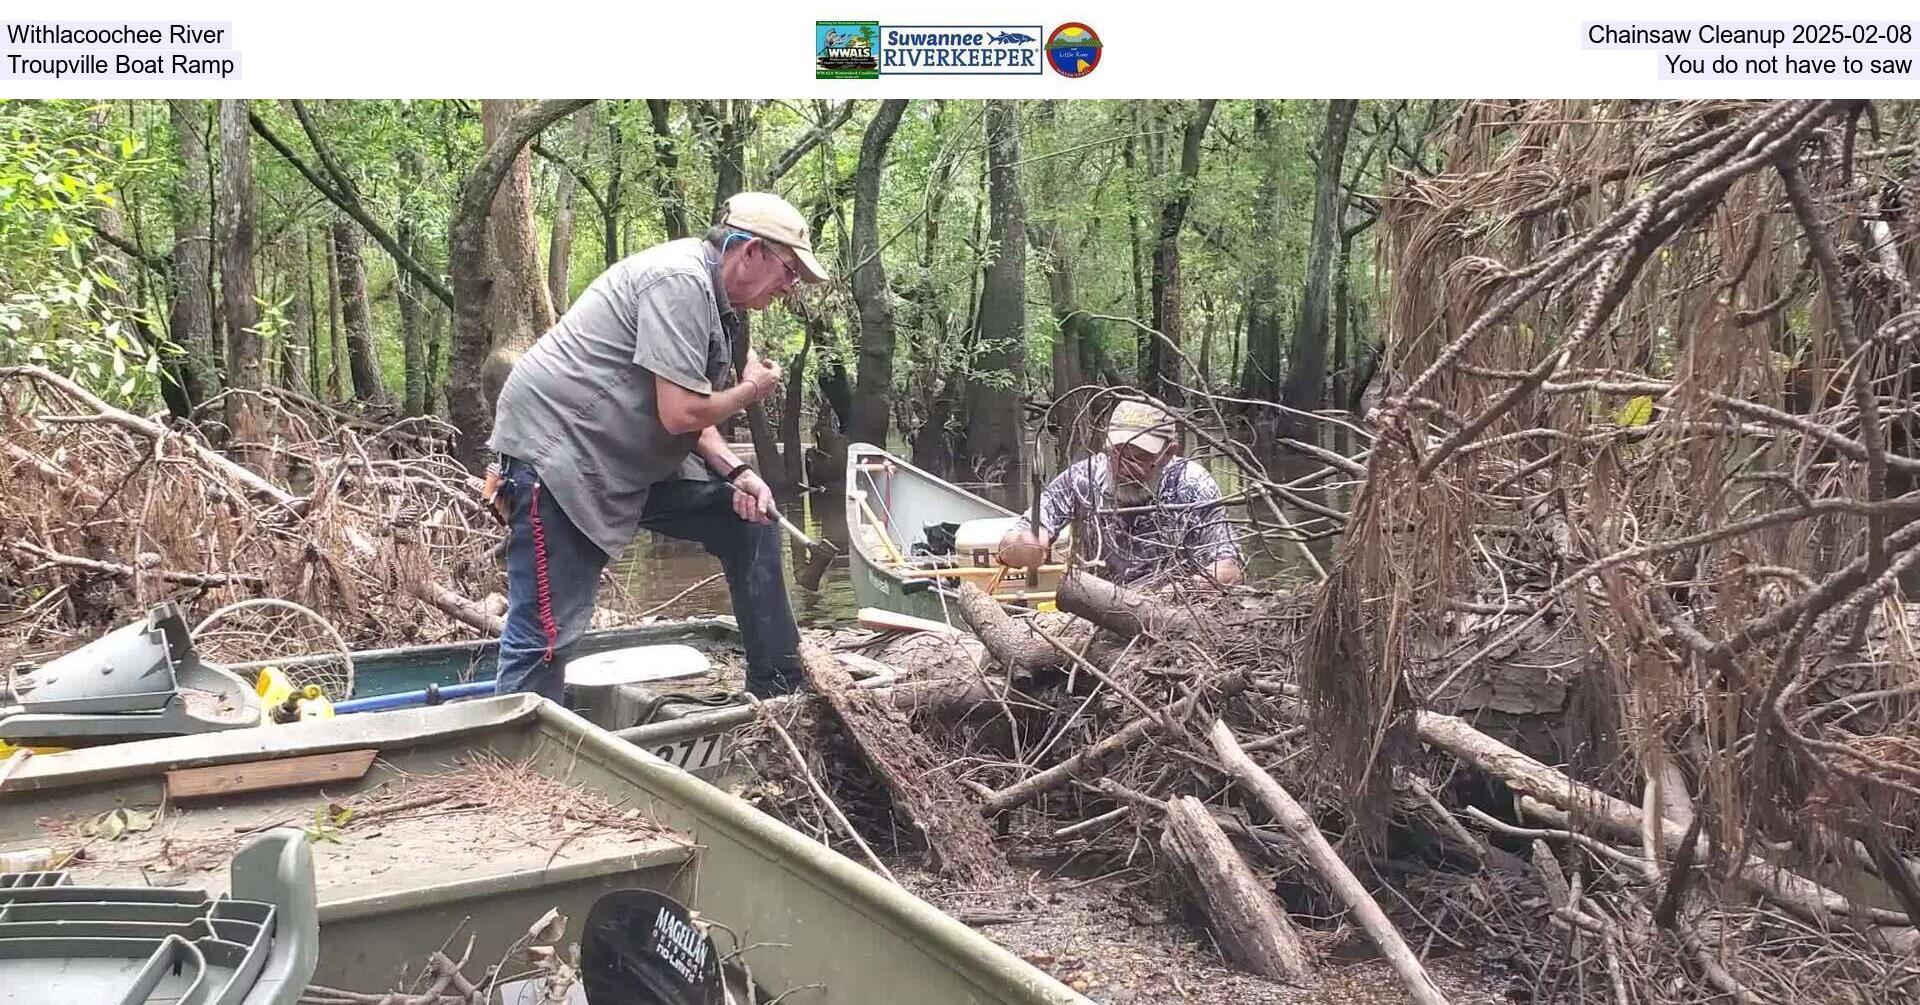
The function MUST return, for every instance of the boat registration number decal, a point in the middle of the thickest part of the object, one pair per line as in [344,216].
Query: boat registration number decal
[695,752]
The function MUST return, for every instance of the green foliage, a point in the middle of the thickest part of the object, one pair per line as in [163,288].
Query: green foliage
[56,174]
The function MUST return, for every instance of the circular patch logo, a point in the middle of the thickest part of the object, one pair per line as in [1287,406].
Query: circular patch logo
[1073,50]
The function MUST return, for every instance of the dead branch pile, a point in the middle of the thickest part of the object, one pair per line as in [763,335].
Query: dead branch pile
[1650,392]
[1613,682]
[375,529]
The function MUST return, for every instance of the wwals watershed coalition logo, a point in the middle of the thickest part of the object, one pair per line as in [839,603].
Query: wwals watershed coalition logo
[867,49]
[846,50]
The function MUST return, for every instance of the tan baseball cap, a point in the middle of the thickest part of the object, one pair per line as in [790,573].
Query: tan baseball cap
[768,216]
[1141,425]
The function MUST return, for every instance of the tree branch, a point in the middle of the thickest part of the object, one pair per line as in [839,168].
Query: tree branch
[578,175]
[804,144]
[351,206]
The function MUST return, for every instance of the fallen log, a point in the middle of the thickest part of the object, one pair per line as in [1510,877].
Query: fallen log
[1251,930]
[1013,643]
[1090,758]
[1306,833]
[957,836]
[1574,803]
[1118,609]
[457,606]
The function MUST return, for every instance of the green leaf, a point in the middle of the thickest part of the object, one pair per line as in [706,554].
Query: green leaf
[60,238]
[1637,411]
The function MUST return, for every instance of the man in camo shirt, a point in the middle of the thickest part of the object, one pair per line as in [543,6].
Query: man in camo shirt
[1138,506]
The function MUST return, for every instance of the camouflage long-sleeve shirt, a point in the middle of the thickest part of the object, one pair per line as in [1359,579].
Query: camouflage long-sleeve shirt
[1186,528]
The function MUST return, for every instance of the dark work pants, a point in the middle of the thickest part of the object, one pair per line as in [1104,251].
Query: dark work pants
[553,572]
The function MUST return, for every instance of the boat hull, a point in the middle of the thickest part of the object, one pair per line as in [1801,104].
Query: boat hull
[841,930]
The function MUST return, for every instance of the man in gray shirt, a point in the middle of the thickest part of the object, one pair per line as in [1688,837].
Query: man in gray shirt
[606,426]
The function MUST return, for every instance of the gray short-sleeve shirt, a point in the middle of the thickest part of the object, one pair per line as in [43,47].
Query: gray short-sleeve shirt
[580,404]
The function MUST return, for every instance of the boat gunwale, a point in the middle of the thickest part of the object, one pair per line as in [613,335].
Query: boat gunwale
[856,518]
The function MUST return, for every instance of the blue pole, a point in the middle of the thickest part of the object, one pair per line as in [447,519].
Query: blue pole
[408,699]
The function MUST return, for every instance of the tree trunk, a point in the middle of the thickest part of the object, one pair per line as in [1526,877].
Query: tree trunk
[413,338]
[336,346]
[522,310]
[474,283]
[1071,334]
[436,396]
[361,363]
[610,210]
[994,429]
[1134,272]
[560,244]
[791,454]
[315,379]
[732,125]
[873,388]
[1162,361]
[236,269]
[1305,387]
[666,177]
[1261,378]
[190,321]
[407,290]
[296,342]
[1342,376]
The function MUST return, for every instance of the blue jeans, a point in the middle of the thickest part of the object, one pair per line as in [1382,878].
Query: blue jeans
[553,572]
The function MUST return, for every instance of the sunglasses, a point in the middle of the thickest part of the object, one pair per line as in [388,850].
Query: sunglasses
[793,272]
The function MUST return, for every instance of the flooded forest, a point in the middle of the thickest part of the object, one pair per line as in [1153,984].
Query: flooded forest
[1571,445]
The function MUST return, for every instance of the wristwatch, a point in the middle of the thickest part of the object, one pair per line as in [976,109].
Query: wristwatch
[738,470]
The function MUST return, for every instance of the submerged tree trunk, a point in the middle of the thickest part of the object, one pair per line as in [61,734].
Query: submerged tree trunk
[1305,387]
[1260,380]
[994,427]
[1162,361]
[236,269]
[873,388]
[792,459]
[190,320]
[354,313]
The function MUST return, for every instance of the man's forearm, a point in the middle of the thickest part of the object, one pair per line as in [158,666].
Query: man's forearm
[712,448]
[712,408]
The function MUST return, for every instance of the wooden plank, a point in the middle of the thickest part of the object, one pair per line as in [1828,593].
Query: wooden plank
[257,776]
[889,621]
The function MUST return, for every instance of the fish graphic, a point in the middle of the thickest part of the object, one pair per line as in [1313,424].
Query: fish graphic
[1012,38]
